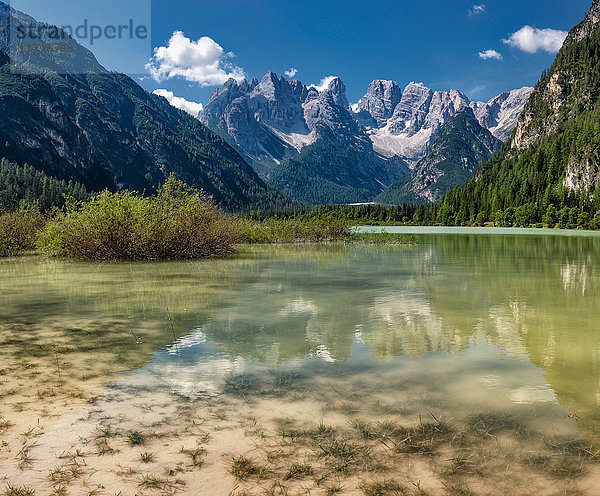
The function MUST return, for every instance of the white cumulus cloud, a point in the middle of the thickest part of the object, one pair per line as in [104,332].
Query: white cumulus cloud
[477,9]
[191,108]
[291,73]
[490,54]
[202,61]
[532,40]
[324,84]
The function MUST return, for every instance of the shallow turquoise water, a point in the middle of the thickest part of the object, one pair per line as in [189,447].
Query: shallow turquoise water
[466,321]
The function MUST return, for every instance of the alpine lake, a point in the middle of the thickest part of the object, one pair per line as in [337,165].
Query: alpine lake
[466,363]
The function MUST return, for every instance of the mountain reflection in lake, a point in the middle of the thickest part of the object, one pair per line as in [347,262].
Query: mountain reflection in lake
[492,333]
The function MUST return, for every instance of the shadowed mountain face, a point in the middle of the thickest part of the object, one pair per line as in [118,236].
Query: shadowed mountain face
[310,143]
[68,116]
[459,149]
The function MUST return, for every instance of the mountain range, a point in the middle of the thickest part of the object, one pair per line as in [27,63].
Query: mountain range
[310,143]
[72,119]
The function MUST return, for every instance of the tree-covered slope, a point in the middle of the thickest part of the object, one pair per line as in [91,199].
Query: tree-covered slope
[25,187]
[549,171]
[73,119]
[462,145]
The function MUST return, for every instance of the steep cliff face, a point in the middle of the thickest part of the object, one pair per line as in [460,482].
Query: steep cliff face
[501,114]
[461,146]
[71,118]
[568,97]
[380,101]
[406,123]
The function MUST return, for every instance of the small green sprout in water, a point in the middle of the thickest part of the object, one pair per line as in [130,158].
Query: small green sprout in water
[419,490]
[4,424]
[364,429]
[277,489]
[19,491]
[196,455]
[107,432]
[341,454]
[59,491]
[150,481]
[243,467]
[240,384]
[457,490]
[463,463]
[146,457]
[490,424]
[136,438]
[382,488]
[333,489]
[320,433]
[103,448]
[299,471]
[220,414]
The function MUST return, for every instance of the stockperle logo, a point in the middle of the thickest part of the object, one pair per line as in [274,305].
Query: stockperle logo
[85,32]
[47,35]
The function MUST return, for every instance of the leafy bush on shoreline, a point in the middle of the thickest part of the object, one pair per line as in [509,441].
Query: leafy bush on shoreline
[295,230]
[177,223]
[18,231]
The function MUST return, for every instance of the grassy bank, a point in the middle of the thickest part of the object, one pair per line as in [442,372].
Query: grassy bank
[435,215]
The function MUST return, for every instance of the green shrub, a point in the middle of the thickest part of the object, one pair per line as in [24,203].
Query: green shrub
[293,230]
[18,231]
[179,222]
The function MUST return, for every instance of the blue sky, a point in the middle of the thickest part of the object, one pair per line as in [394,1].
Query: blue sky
[433,41]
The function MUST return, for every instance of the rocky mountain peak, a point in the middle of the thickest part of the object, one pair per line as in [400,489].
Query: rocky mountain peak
[338,92]
[220,98]
[269,85]
[501,113]
[411,111]
[381,99]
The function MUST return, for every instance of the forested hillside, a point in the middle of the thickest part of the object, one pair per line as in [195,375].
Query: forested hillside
[548,173]
[24,186]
